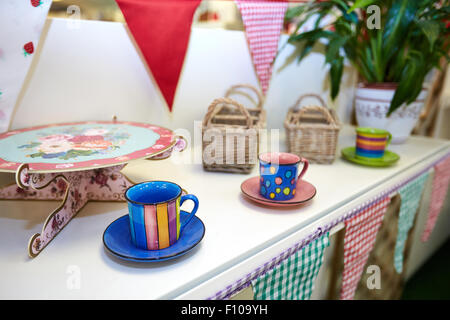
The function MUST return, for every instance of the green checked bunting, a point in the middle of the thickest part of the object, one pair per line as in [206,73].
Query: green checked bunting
[410,195]
[294,277]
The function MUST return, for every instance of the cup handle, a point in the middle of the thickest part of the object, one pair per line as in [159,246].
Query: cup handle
[181,144]
[304,169]
[389,139]
[191,215]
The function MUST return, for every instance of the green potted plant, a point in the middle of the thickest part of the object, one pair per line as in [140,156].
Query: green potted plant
[393,44]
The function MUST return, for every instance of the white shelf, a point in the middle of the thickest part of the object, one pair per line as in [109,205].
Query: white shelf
[240,235]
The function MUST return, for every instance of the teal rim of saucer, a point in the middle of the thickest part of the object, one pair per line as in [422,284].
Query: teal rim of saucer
[388,159]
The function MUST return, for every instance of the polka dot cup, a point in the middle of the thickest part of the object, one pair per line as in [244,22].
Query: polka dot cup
[278,175]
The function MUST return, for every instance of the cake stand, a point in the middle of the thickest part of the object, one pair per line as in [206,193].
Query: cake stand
[76,163]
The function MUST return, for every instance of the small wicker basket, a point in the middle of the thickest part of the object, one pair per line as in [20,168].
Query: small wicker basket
[312,131]
[229,137]
[257,113]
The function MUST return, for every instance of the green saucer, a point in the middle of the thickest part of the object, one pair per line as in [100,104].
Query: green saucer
[388,159]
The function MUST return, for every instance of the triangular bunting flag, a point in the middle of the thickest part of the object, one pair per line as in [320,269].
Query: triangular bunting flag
[263,22]
[293,278]
[439,191]
[161,29]
[360,235]
[410,195]
[21,23]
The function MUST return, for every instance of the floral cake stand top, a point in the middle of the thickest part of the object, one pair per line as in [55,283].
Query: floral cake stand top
[76,163]
[81,145]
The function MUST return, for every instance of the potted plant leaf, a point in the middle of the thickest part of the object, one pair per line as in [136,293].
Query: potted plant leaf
[393,44]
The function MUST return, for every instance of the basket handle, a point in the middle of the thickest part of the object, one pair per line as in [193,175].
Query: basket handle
[323,110]
[308,95]
[216,106]
[248,86]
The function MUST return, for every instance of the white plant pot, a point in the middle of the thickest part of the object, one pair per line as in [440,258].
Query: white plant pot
[372,103]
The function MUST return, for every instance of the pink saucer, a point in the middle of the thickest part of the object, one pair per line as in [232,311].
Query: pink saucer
[305,192]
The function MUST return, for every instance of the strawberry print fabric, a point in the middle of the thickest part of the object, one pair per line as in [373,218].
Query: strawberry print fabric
[360,234]
[263,22]
[21,23]
[438,194]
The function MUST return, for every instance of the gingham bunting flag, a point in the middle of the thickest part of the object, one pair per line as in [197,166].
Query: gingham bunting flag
[263,22]
[438,194]
[360,234]
[410,195]
[294,277]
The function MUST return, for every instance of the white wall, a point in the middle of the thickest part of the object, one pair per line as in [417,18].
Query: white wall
[87,70]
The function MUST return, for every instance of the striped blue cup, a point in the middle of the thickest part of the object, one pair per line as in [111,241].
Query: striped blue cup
[154,211]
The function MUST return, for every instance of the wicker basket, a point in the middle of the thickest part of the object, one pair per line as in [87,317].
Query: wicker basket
[312,131]
[229,137]
[257,113]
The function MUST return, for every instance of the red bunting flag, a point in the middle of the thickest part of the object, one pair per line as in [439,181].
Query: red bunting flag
[263,22]
[161,29]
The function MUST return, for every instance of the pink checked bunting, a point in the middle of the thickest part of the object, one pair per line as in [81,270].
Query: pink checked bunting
[263,22]
[361,232]
[439,191]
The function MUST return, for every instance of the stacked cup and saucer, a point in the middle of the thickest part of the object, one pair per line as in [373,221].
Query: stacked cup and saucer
[279,183]
[370,149]
[155,228]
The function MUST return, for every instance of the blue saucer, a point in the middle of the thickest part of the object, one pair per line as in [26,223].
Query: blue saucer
[117,240]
